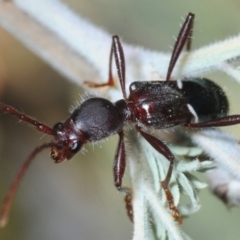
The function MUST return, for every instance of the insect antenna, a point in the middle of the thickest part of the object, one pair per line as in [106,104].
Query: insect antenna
[7,203]
[40,126]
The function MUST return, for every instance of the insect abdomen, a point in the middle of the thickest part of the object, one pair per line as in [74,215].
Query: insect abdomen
[206,98]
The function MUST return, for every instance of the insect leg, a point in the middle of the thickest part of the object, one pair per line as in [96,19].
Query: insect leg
[184,36]
[119,162]
[128,204]
[164,150]
[118,171]
[117,51]
[219,122]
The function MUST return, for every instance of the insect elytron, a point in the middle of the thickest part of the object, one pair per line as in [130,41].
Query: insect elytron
[193,103]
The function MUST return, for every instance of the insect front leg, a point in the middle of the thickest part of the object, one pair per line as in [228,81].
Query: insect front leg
[118,171]
[164,150]
[117,52]
[110,82]
[119,163]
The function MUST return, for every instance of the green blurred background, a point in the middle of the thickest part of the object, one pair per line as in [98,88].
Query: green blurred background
[77,200]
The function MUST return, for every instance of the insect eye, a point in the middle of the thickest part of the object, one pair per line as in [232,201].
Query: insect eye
[57,127]
[75,147]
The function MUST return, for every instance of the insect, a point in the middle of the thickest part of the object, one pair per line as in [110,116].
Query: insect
[193,103]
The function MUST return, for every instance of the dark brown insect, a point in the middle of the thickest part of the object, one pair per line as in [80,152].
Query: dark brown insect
[193,103]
